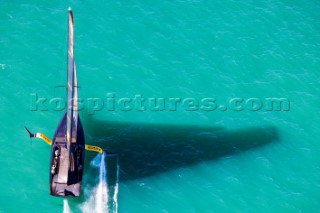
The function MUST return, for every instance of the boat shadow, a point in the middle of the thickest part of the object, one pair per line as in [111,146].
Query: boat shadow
[149,149]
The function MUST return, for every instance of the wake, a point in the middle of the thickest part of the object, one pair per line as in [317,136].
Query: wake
[116,190]
[99,200]
[66,207]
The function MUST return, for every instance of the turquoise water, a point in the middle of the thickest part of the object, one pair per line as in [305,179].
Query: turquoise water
[170,160]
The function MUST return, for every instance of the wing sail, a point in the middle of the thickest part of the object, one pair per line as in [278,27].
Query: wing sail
[70,82]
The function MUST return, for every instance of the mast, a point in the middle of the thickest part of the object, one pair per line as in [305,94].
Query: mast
[70,81]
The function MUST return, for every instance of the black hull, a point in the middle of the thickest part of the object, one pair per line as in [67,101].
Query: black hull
[66,165]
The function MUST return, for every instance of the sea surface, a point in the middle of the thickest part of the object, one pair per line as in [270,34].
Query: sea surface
[239,131]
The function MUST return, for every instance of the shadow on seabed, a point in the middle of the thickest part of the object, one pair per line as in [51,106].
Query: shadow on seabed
[149,149]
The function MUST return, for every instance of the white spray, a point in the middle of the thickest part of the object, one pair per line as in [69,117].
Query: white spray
[116,191]
[98,200]
[66,207]
[102,190]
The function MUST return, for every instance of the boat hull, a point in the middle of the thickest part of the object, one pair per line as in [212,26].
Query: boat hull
[67,162]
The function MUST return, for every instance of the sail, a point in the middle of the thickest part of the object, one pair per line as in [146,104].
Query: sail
[75,102]
[70,83]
